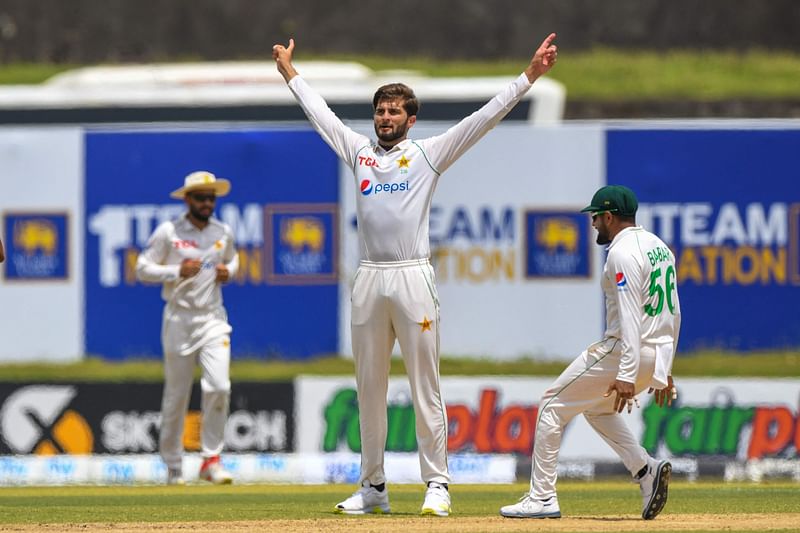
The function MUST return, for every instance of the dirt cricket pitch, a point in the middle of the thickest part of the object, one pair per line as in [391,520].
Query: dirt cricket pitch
[453,524]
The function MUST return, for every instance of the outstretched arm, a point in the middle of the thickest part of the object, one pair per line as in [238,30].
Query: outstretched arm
[543,60]
[344,141]
[283,58]
[443,150]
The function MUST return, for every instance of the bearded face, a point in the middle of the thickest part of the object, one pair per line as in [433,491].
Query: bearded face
[201,204]
[391,121]
[600,223]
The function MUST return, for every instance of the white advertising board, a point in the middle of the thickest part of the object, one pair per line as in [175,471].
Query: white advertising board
[732,419]
[41,219]
[495,300]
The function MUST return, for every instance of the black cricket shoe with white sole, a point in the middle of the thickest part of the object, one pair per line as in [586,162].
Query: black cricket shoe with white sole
[654,484]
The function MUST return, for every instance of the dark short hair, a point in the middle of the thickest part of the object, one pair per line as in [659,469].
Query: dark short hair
[393,91]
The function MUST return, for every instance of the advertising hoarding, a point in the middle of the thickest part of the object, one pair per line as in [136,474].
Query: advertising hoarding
[726,201]
[510,255]
[735,419]
[124,418]
[41,220]
[283,212]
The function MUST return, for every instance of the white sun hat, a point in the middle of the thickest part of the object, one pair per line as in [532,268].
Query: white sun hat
[202,179]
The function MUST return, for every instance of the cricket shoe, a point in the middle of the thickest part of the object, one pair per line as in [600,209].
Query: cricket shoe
[212,471]
[437,500]
[654,484]
[175,477]
[365,500]
[528,507]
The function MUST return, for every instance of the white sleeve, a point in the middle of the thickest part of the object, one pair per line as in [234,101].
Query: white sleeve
[344,141]
[150,265]
[629,305]
[443,150]
[230,256]
[677,334]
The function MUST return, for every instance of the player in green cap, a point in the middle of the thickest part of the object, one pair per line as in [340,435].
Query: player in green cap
[643,319]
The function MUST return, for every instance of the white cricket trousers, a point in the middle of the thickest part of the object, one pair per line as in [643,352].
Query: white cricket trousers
[207,334]
[580,389]
[398,300]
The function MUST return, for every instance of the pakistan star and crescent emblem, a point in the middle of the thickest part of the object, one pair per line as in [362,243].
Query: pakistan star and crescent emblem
[403,162]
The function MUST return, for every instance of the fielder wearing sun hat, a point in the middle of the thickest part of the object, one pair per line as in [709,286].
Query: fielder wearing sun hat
[204,180]
[616,199]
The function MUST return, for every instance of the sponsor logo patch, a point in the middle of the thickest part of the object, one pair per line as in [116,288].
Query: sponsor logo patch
[37,246]
[556,244]
[304,243]
[368,188]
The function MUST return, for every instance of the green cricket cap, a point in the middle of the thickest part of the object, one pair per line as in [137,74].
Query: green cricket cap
[617,199]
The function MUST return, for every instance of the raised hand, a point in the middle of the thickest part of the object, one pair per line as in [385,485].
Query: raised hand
[283,58]
[544,58]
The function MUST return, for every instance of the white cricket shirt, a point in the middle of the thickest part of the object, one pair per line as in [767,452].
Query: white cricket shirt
[642,308]
[176,240]
[394,188]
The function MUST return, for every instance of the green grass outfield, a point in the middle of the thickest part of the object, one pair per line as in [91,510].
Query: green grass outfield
[202,503]
[599,75]
[586,506]
[708,364]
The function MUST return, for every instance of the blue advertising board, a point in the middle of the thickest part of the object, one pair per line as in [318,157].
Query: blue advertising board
[727,203]
[129,176]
